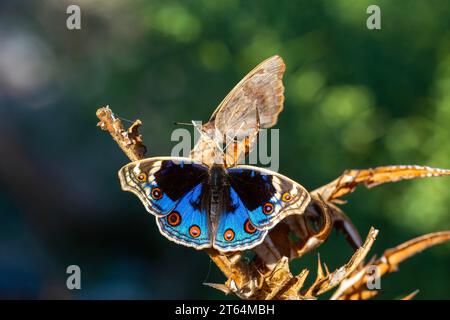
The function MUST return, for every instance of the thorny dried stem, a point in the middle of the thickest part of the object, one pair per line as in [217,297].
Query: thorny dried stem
[130,141]
[354,286]
[267,275]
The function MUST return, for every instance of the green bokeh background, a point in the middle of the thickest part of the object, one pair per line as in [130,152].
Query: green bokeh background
[355,98]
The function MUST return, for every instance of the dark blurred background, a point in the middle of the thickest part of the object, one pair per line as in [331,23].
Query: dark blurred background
[355,98]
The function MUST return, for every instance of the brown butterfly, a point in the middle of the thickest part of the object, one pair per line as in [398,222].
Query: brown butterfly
[254,103]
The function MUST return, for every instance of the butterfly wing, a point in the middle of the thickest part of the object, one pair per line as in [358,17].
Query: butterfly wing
[254,103]
[268,196]
[256,200]
[188,223]
[171,189]
[234,228]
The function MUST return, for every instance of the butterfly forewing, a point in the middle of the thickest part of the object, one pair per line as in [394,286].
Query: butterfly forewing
[254,103]
[262,89]
[153,181]
[172,190]
[268,196]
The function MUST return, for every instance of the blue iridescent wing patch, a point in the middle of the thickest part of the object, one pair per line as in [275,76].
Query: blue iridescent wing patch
[235,231]
[268,196]
[188,223]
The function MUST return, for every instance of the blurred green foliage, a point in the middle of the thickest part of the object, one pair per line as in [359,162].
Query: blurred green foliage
[355,98]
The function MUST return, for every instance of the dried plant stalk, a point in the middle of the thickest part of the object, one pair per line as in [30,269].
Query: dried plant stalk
[268,276]
[130,141]
[355,285]
[347,182]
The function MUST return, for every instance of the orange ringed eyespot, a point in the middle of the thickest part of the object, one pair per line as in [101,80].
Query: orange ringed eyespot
[194,231]
[228,235]
[268,208]
[156,193]
[174,218]
[249,227]
[142,177]
[286,197]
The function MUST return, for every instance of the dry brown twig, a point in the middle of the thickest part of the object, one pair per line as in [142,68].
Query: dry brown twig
[268,276]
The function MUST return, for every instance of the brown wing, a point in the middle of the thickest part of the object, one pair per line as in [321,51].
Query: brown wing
[254,103]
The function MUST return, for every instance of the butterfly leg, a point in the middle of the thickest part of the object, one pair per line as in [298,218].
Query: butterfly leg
[224,154]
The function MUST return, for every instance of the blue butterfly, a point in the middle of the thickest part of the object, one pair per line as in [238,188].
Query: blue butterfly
[229,209]
[208,200]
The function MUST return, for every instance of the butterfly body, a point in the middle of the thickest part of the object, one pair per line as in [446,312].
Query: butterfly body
[217,183]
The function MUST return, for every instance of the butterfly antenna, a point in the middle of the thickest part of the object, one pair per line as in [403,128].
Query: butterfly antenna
[177,123]
[123,119]
[194,124]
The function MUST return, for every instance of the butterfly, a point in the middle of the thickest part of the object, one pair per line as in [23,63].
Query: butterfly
[208,201]
[254,103]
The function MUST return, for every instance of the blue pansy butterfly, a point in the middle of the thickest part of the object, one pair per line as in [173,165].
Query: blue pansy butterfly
[208,200]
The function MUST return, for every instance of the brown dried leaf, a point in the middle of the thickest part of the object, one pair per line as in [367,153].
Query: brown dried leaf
[130,141]
[292,292]
[389,262]
[397,255]
[326,283]
[411,295]
[343,224]
[348,181]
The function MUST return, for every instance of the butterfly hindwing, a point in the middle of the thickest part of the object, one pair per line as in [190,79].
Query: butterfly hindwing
[188,223]
[160,183]
[234,228]
[268,196]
